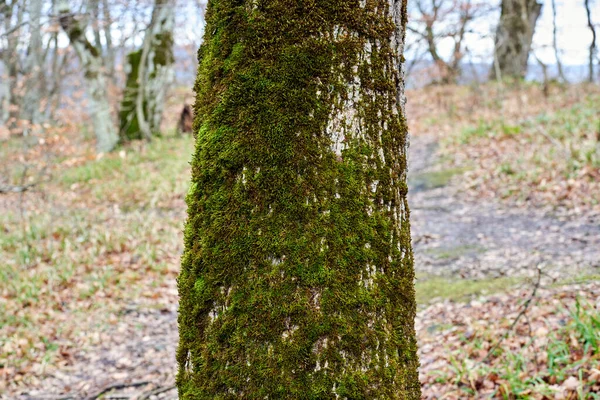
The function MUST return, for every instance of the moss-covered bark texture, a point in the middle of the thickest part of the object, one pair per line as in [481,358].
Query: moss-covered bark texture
[297,275]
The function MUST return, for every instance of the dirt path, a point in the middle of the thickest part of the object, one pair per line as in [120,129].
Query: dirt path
[452,237]
[456,237]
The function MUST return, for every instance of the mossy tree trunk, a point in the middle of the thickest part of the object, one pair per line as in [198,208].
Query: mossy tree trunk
[91,62]
[297,275]
[150,75]
[514,36]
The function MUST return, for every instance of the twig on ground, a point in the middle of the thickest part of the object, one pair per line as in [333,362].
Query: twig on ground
[523,311]
[16,189]
[554,141]
[147,395]
[115,386]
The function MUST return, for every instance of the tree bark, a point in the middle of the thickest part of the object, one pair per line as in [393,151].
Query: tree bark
[91,61]
[514,36]
[561,73]
[592,51]
[33,70]
[150,75]
[13,12]
[297,274]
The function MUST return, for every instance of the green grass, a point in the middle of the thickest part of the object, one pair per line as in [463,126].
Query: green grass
[571,351]
[448,253]
[572,132]
[140,178]
[435,179]
[104,233]
[430,288]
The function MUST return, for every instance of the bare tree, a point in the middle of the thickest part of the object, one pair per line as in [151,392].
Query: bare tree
[13,13]
[33,68]
[561,73]
[90,58]
[592,50]
[434,21]
[514,35]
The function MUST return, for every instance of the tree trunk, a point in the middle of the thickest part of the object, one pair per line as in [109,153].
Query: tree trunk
[513,38]
[561,73]
[150,75]
[297,275]
[34,67]
[91,61]
[13,15]
[592,51]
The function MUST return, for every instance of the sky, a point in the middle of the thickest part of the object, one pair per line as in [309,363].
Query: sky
[574,36]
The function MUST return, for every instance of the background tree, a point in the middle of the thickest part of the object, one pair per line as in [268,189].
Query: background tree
[92,64]
[150,74]
[13,17]
[514,35]
[561,73]
[592,50]
[297,275]
[33,67]
[435,21]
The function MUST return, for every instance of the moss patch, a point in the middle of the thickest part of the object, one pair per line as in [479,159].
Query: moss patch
[435,179]
[454,252]
[431,288]
[297,275]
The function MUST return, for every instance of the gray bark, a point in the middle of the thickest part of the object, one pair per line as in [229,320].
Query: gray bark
[10,58]
[592,51]
[92,64]
[561,73]
[34,67]
[110,51]
[514,35]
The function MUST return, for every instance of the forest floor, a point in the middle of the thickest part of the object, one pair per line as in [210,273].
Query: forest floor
[508,277]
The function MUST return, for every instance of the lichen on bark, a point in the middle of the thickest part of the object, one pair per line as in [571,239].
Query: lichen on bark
[297,274]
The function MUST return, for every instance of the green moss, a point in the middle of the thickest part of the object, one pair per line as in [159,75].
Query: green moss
[297,274]
[431,288]
[454,252]
[128,123]
[435,179]
[163,49]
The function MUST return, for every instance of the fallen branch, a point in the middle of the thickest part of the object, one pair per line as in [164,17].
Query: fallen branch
[523,311]
[115,386]
[147,395]
[16,189]
[555,142]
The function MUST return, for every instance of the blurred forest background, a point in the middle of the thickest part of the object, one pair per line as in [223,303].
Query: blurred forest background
[504,180]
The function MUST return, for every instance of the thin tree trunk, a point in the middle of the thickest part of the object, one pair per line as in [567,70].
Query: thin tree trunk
[140,113]
[11,59]
[110,51]
[561,73]
[34,67]
[297,274]
[592,51]
[91,61]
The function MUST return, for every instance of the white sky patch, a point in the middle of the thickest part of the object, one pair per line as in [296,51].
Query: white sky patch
[574,36]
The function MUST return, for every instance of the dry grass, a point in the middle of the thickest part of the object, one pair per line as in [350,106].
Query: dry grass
[516,143]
